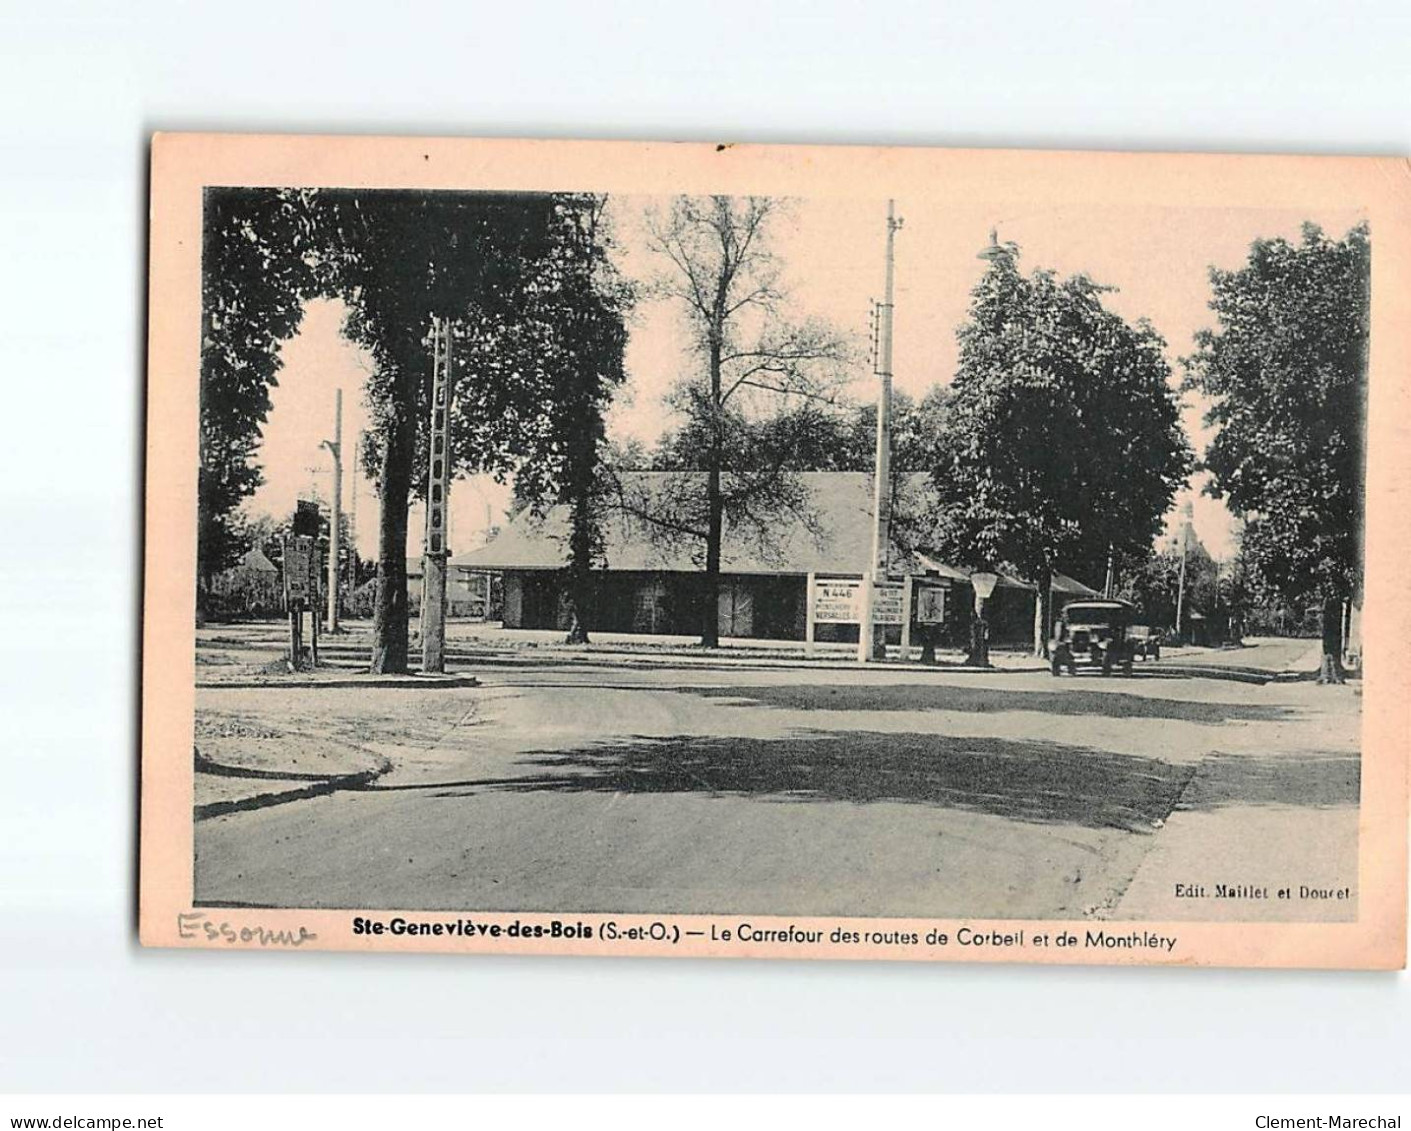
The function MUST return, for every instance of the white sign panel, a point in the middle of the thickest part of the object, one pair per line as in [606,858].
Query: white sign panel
[887,604]
[837,602]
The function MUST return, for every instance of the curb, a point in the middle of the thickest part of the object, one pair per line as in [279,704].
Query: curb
[409,681]
[265,800]
[318,786]
[639,661]
[617,663]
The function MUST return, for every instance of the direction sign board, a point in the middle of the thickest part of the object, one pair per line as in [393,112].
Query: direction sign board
[298,560]
[837,602]
[840,602]
[887,603]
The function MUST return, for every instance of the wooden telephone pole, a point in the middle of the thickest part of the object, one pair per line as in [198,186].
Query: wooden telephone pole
[353,519]
[335,447]
[872,645]
[1187,517]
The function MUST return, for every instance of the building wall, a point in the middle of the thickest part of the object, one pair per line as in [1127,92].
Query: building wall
[771,607]
[758,606]
[514,601]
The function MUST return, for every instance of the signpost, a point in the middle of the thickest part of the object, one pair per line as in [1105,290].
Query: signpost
[843,600]
[301,582]
[298,568]
[908,602]
[931,602]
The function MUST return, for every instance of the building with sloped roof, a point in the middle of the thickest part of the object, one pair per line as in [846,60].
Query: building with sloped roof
[250,588]
[652,578]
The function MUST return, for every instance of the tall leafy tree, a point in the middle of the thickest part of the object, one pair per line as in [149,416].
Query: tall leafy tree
[402,259]
[752,365]
[1062,434]
[815,436]
[508,269]
[1286,371]
[917,427]
[568,340]
[259,261]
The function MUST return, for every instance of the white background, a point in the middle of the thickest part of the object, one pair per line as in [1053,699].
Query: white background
[81,1006]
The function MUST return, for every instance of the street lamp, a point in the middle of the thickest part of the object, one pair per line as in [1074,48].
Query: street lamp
[984,585]
[995,251]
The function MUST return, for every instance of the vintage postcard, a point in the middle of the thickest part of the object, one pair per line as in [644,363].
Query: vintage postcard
[613,548]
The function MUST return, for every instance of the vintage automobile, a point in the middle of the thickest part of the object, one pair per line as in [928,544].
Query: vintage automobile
[1146,641]
[1093,634]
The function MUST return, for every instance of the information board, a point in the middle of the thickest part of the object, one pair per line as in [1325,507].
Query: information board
[298,554]
[840,602]
[837,602]
[887,603]
[930,604]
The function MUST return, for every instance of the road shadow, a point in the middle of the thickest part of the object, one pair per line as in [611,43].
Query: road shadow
[1037,781]
[984,700]
[1309,781]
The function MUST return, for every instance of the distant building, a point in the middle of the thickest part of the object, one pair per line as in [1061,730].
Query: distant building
[653,583]
[467,590]
[251,588]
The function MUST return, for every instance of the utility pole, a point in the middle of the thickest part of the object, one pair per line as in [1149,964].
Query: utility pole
[353,517]
[436,553]
[1187,514]
[335,446]
[871,644]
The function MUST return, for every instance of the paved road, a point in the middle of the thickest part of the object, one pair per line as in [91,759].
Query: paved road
[1270,654]
[802,792]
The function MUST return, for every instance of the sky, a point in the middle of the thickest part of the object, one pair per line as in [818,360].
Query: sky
[833,251]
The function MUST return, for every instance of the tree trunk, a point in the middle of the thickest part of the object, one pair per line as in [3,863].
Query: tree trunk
[203,598]
[583,536]
[710,589]
[1043,614]
[1330,671]
[580,570]
[715,508]
[577,623]
[389,618]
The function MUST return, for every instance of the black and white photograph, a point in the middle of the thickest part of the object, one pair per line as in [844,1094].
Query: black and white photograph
[839,558]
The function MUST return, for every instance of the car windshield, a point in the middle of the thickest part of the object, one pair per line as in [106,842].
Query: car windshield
[1090,616]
